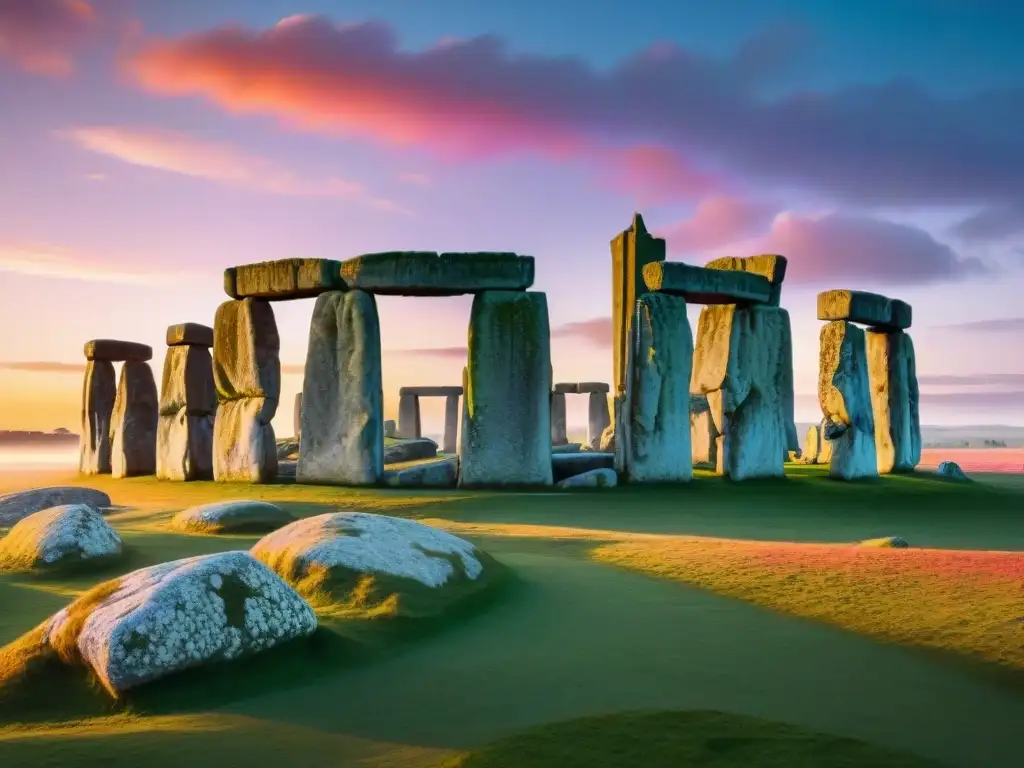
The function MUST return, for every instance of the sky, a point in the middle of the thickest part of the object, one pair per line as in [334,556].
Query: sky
[146,145]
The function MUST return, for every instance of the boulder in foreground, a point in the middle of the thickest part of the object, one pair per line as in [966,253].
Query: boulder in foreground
[173,616]
[951,470]
[15,506]
[231,517]
[356,563]
[59,537]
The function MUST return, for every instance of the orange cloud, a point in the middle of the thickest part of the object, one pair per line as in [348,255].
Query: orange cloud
[45,260]
[216,161]
[40,36]
[718,221]
[42,366]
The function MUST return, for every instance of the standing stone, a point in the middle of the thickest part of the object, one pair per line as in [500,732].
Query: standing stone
[558,428]
[506,434]
[845,395]
[134,421]
[632,250]
[390,428]
[703,434]
[812,445]
[655,446]
[409,416]
[742,363]
[99,390]
[188,404]
[247,374]
[450,443]
[892,372]
[824,444]
[598,419]
[343,397]
[297,417]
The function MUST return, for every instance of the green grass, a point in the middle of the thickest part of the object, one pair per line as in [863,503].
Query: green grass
[567,638]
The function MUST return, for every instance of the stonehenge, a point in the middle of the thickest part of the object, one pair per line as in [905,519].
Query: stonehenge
[868,384]
[719,399]
[188,405]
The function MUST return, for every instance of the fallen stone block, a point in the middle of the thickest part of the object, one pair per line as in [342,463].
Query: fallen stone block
[566,448]
[231,517]
[442,473]
[283,279]
[99,390]
[431,391]
[594,478]
[951,470]
[134,422]
[701,285]
[769,265]
[869,309]
[566,465]
[412,449]
[343,402]
[189,334]
[844,392]
[20,504]
[885,542]
[426,273]
[118,351]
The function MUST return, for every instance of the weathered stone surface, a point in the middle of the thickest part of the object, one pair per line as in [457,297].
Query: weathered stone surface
[287,468]
[431,391]
[845,395]
[607,444]
[824,445]
[287,449]
[703,434]
[701,285]
[118,351]
[892,372]
[184,447]
[442,473]
[786,384]
[566,388]
[189,333]
[812,445]
[452,415]
[412,449]
[632,250]
[885,542]
[133,422]
[598,417]
[566,465]
[282,279]
[99,390]
[21,504]
[409,423]
[332,556]
[771,266]
[169,617]
[655,429]
[74,534]
[297,417]
[862,307]
[742,363]
[246,354]
[343,401]
[425,273]
[231,517]
[558,436]
[506,435]
[566,448]
[187,382]
[244,446]
[390,428]
[951,470]
[595,478]
[589,387]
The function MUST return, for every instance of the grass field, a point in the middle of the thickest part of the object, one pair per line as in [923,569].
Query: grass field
[741,599]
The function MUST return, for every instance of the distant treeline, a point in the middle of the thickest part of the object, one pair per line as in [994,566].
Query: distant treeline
[9,437]
[967,444]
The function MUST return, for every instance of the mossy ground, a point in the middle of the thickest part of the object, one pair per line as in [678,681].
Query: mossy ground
[574,633]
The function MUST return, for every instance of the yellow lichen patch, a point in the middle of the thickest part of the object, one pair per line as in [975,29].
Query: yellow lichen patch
[64,641]
[963,601]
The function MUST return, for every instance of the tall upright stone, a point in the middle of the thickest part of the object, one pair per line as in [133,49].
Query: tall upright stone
[506,435]
[409,423]
[652,434]
[188,405]
[450,442]
[845,395]
[812,445]
[247,375]
[558,426]
[99,390]
[598,417]
[704,435]
[134,422]
[743,365]
[297,417]
[343,397]
[632,250]
[895,400]
[824,444]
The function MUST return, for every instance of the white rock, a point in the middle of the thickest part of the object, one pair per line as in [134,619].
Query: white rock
[226,516]
[15,506]
[362,543]
[70,533]
[595,478]
[169,617]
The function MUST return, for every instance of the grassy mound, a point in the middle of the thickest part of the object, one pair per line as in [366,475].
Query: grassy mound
[677,739]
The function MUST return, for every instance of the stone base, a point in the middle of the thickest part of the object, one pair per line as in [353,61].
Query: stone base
[244,446]
[184,447]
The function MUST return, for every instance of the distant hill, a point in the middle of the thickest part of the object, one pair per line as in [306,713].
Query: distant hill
[59,436]
[970,436]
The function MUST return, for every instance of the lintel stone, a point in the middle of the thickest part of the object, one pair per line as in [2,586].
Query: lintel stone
[282,279]
[769,265]
[427,273]
[871,309]
[118,351]
[586,387]
[190,334]
[431,391]
[701,285]
[566,388]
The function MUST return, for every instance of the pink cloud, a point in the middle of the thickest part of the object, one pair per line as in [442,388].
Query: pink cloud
[718,221]
[41,36]
[653,174]
[46,260]
[217,161]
